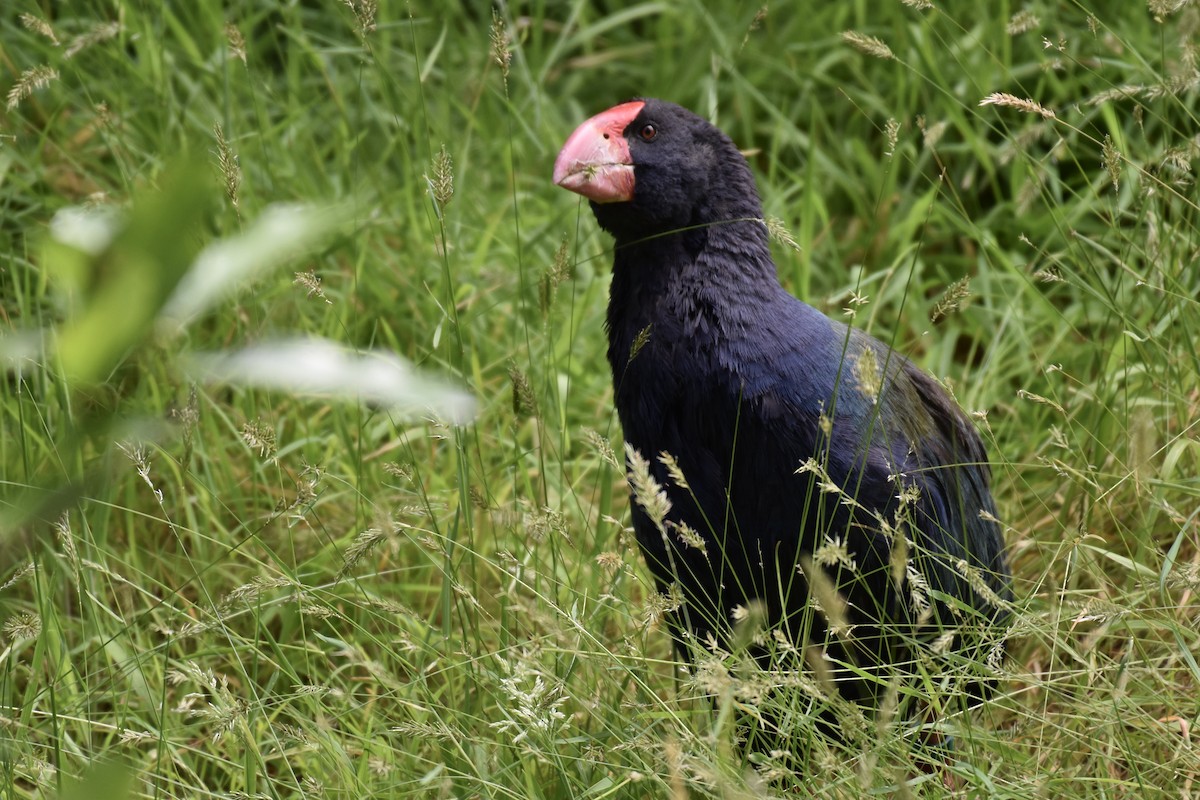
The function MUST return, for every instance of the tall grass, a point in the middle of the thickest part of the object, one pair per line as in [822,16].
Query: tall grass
[236,591]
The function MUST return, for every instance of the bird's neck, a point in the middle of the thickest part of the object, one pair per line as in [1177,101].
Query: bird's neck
[691,289]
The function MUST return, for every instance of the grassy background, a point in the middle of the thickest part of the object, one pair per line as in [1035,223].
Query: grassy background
[239,592]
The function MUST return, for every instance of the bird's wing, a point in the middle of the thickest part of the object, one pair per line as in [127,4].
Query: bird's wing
[897,454]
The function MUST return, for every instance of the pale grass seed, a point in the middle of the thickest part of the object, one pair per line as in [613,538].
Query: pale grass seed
[1111,159]
[136,737]
[892,132]
[260,436]
[227,163]
[777,231]
[1123,92]
[1039,399]
[1097,609]
[545,523]
[870,45]
[867,375]
[236,42]
[501,53]
[310,281]
[898,559]
[918,592]
[19,575]
[250,593]
[659,604]
[98,33]
[402,471]
[827,599]
[610,561]
[1161,9]
[188,417]
[441,178]
[951,300]
[834,552]
[639,341]
[366,541]
[979,584]
[40,27]
[1022,22]
[364,15]
[1012,101]
[673,470]
[32,80]
[691,537]
[602,447]
[647,492]
[1030,191]
[318,611]
[941,645]
[141,461]
[1179,159]
[558,272]
[756,23]
[535,701]
[711,677]
[856,301]
[25,626]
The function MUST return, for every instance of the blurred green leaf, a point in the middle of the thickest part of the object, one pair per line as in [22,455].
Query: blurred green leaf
[122,288]
[281,233]
[323,368]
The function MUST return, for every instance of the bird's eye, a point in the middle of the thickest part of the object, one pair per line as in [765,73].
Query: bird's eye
[648,132]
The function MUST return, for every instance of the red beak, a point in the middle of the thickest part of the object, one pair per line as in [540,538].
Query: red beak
[595,161]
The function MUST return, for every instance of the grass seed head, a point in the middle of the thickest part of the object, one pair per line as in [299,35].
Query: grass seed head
[227,163]
[951,300]
[691,537]
[32,80]
[558,272]
[639,341]
[778,232]
[23,626]
[98,33]
[1012,101]
[235,42]
[501,53]
[364,15]
[366,541]
[310,281]
[647,491]
[833,553]
[1111,158]
[260,436]
[1022,22]
[40,27]
[892,131]
[524,401]
[602,446]
[871,45]
[673,470]
[441,179]
[867,374]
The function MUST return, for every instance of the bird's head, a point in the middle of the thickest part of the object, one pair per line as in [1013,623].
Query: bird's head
[650,167]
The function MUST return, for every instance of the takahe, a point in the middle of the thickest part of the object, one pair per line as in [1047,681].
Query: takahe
[817,475]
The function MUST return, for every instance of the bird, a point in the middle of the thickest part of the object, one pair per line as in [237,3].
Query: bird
[810,473]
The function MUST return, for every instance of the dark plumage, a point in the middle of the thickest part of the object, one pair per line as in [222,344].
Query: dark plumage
[744,384]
